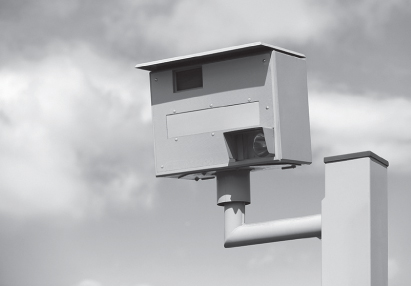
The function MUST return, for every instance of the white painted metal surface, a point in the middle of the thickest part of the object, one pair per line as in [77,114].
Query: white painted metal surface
[234,216]
[214,119]
[354,222]
[239,234]
[225,53]
[233,186]
[291,112]
[273,77]
[225,83]
[233,192]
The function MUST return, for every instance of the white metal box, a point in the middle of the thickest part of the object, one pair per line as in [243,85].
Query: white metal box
[239,107]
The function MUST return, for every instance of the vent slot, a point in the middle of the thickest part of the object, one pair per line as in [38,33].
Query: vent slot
[188,79]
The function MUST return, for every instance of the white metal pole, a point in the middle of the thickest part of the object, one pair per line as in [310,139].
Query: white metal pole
[234,216]
[239,234]
[233,192]
[354,221]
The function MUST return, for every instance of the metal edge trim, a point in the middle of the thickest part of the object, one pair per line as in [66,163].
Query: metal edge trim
[357,155]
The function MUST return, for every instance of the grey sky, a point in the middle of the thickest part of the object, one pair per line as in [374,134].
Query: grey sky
[79,204]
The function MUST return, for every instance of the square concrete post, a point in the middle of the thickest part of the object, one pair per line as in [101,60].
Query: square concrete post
[355,221]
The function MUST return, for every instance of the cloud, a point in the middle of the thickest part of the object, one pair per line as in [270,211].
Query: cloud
[370,13]
[282,254]
[29,28]
[194,26]
[75,135]
[198,25]
[344,123]
[68,110]
[140,29]
[259,261]
[89,282]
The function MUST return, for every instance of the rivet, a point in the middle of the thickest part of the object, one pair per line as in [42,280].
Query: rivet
[249,99]
[175,139]
[211,105]
[156,79]
[264,60]
[174,111]
[267,107]
[162,166]
[212,134]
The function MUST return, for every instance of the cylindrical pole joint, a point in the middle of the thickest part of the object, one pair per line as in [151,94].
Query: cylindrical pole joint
[233,186]
[234,213]
[233,192]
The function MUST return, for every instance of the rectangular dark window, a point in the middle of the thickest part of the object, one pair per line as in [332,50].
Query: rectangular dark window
[188,79]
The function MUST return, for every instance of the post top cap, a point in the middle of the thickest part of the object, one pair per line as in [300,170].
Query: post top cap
[358,155]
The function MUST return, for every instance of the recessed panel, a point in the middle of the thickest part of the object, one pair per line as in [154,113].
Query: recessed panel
[213,119]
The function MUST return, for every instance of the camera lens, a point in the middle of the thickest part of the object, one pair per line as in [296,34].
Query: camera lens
[260,146]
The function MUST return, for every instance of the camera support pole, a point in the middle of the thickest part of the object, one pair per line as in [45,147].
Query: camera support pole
[233,191]
[353,226]
[355,221]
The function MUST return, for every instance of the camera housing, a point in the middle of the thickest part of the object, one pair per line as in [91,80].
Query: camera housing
[233,108]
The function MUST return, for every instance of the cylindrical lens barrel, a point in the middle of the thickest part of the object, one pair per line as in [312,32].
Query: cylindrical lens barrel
[260,146]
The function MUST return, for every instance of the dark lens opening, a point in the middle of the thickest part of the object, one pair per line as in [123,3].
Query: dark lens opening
[260,146]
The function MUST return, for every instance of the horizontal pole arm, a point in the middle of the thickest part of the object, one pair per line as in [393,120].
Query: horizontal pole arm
[239,234]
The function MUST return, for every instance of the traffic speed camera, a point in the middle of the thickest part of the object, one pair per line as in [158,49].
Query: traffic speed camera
[233,108]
